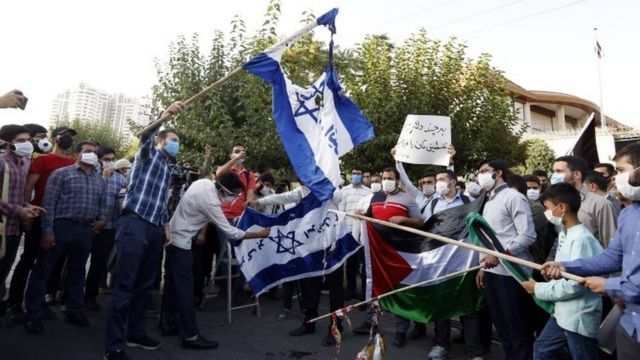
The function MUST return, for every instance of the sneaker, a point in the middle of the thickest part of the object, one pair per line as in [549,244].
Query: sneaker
[362,329]
[146,343]
[284,314]
[400,339]
[419,331]
[199,343]
[77,319]
[115,355]
[438,353]
[329,340]
[304,329]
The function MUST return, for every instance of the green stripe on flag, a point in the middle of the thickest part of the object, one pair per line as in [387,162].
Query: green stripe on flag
[514,269]
[451,298]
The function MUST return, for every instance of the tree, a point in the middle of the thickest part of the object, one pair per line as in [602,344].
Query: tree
[101,133]
[420,76]
[539,156]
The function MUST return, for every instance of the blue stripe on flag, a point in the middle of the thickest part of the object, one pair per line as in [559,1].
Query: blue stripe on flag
[359,128]
[252,217]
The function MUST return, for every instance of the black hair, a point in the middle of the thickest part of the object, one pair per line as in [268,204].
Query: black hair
[393,170]
[430,174]
[596,178]
[9,132]
[540,173]
[81,144]
[267,177]
[563,193]
[632,152]
[234,144]
[230,181]
[575,163]
[104,150]
[532,178]
[462,184]
[35,129]
[450,174]
[610,169]
[163,133]
[518,182]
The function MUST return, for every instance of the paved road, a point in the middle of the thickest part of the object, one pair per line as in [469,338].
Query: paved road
[247,338]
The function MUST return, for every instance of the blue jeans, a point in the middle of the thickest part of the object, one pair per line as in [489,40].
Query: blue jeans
[139,247]
[553,338]
[74,240]
[178,308]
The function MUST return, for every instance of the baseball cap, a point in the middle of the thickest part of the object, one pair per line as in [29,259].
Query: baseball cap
[122,164]
[62,129]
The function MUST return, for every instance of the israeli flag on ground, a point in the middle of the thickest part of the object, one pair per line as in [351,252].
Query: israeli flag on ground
[317,125]
[305,241]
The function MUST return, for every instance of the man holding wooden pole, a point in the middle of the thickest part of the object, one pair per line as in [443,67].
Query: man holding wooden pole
[508,213]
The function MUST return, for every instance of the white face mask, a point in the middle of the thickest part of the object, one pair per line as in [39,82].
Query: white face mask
[533,194]
[108,164]
[376,186]
[555,220]
[45,145]
[388,186]
[625,189]
[24,149]
[486,181]
[474,189]
[265,190]
[442,188]
[89,159]
[428,190]
[556,178]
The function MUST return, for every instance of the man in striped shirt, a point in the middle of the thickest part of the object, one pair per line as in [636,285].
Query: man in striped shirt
[140,232]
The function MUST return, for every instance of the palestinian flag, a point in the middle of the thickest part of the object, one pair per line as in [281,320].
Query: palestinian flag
[395,259]
[483,235]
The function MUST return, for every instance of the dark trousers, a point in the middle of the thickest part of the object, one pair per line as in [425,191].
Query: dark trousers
[9,257]
[102,245]
[178,306]
[57,275]
[553,338]
[352,270]
[311,291]
[627,346]
[510,308]
[203,260]
[287,294]
[472,334]
[32,251]
[75,240]
[139,247]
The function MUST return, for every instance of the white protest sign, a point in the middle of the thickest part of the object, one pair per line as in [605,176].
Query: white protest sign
[424,140]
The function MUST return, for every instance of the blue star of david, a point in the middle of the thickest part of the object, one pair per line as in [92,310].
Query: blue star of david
[280,240]
[303,109]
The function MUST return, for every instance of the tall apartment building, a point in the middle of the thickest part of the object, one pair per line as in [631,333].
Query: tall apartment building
[92,105]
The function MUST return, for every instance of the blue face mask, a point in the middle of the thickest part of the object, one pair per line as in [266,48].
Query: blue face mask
[556,178]
[356,179]
[172,148]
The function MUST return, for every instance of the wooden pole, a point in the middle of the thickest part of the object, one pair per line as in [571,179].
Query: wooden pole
[347,309]
[480,249]
[235,72]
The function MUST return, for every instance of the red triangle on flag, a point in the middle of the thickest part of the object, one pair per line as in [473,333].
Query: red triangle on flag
[387,265]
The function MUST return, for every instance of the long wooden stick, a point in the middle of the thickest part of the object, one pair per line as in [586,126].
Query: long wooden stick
[235,72]
[348,308]
[480,249]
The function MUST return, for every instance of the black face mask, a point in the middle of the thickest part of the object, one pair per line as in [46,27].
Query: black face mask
[65,142]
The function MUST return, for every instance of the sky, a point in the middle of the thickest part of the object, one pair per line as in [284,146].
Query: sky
[50,46]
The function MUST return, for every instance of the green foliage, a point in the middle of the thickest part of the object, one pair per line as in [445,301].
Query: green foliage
[539,156]
[100,132]
[420,76]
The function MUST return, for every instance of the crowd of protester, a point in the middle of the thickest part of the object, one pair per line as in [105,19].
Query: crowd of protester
[69,200]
